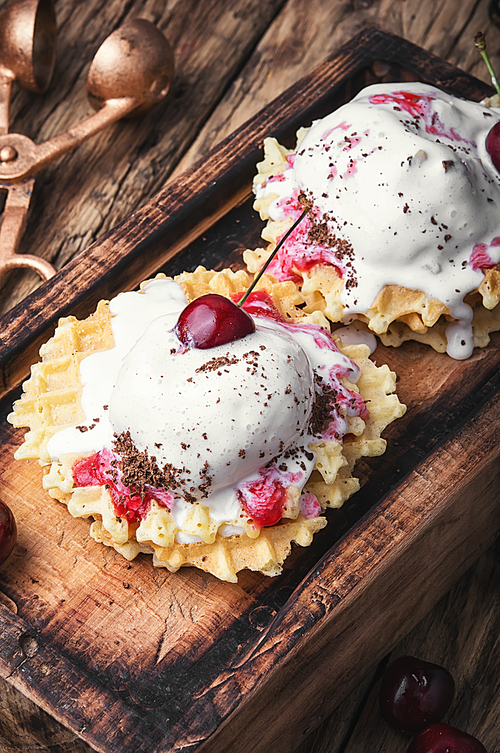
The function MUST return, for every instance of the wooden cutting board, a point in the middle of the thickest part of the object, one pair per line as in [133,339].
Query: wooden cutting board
[133,658]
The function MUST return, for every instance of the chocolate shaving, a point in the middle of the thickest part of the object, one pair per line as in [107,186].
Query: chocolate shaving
[324,402]
[139,470]
[217,363]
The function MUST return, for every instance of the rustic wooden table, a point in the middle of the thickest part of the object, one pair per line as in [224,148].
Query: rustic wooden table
[233,58]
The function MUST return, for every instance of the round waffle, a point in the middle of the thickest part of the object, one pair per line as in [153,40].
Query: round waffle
[398,313]
[51,402]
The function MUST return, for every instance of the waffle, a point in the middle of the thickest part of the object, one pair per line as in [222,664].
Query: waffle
[398,313]
[51,396]
[51,401]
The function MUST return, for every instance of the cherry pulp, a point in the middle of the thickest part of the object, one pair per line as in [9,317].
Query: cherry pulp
[414,693]
[493,144]
[442,738]
[8,532]
[212,320]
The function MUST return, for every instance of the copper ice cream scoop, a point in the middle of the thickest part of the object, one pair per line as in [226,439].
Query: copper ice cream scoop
[131,72]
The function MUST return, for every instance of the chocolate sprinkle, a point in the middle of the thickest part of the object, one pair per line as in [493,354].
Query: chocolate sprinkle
[140,470]
[217,363]
[322,408]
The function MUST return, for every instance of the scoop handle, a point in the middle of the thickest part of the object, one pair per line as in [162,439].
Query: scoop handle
[6,79]
[113,110]
[11,229]
[32,157]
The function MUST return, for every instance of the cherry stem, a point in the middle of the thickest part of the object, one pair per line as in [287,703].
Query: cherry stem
[480,42]
[271,257]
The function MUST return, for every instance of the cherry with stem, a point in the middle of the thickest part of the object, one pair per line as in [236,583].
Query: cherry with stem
[493,138]
[213,320]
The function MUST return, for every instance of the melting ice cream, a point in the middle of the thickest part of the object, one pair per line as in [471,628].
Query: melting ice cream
[403,192]
[229,426]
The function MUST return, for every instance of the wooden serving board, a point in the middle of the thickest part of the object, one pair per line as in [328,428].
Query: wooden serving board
[137,659]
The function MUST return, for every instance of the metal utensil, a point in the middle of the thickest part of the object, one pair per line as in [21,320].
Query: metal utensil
[130,73]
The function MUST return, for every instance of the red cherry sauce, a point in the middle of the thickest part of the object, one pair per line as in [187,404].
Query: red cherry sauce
[349,141]
[259,304]
[413,104]
[310,507]
[480,258]
[341,126]
[101,469]
[417,105]
[264,499]
[299,254]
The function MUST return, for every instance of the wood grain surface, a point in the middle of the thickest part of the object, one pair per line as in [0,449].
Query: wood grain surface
[232,58]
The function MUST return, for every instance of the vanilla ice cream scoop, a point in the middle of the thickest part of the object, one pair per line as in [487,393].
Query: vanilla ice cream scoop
[405,177]
[404,193]
[229,427]
[214,416]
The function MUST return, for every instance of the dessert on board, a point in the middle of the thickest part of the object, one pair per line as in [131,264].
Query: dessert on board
[403,230]
[210,426]
[213,454]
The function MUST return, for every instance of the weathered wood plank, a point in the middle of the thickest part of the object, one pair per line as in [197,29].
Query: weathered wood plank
[356,14]
[304,33]
[461,632]
[313,679]
[25,727]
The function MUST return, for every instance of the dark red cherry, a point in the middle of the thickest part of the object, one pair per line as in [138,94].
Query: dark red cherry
[441,738]
[8,532]
[414,694]
[212,320]
[493,144]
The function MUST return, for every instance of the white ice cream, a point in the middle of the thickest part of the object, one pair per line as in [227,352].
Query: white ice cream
[212,419]
[235,406]
[403,180]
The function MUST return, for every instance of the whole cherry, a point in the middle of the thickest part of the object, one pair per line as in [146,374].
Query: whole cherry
[414,693]
[493,144]
[8,532]
[442,738]
[212,320]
